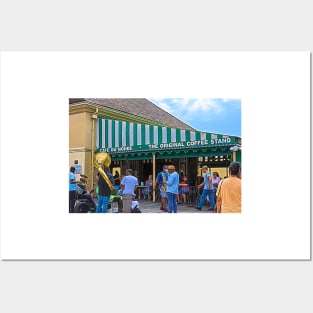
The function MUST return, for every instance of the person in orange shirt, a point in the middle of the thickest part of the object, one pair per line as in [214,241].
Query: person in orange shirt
[229,191]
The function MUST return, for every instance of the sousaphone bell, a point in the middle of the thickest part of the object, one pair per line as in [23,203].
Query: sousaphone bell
[103,159]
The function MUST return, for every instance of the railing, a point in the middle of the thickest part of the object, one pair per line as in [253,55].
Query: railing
[192,197]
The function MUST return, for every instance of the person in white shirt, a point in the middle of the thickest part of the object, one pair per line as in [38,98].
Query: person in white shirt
[129,184]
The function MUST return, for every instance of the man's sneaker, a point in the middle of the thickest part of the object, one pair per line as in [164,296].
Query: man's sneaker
[198,208]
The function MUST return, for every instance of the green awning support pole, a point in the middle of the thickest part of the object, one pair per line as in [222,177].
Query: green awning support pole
[234,156]
[153,176]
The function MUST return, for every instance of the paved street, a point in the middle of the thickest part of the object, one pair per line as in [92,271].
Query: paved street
[150,207]
[147,206]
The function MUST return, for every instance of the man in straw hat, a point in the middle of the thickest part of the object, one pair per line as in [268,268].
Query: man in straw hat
[172,189]
[208,190]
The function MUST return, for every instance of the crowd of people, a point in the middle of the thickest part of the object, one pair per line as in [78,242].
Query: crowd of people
[221,195]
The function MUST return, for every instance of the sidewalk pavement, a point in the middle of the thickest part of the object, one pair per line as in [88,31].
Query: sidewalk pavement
[147,206]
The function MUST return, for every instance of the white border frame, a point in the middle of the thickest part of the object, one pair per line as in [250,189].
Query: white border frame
[273,86]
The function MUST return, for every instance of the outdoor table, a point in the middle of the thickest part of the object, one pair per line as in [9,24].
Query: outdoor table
[140,188]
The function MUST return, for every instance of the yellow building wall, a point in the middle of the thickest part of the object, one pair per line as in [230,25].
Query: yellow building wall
[77,131]
[89,169]
[80,143]
[80,157]
[222,171]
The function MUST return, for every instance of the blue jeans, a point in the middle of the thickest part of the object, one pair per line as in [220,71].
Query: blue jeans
[205,193]
[103,202]
[172,204]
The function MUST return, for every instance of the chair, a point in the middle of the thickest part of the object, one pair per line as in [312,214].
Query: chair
[193,195]
[147,192]
[184,189]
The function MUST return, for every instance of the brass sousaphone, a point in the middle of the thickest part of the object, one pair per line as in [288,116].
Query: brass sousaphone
[103,159]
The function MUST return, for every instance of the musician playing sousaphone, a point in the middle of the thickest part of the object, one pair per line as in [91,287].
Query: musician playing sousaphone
[105,181]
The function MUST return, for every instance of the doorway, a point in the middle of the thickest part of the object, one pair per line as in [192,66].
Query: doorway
[146,171]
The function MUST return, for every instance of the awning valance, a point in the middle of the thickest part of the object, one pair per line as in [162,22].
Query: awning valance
[120,137]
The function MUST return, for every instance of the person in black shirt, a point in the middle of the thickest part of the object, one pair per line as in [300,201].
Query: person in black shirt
[104,191]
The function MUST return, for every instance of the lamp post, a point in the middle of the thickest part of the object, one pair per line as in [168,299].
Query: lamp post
[153,177]
[94,117]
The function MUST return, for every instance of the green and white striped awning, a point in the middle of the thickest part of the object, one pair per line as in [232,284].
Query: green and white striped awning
[120,137]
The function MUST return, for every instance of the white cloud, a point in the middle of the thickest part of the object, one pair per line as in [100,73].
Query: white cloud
[202,114]
[206,105]
[193,111]
[162,104]
[166,107]
[191,106]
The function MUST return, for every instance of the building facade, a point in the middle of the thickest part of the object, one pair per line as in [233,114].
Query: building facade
[139,135]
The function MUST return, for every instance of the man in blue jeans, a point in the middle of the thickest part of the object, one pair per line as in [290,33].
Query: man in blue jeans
[172,189]
[207,190]
[104,191]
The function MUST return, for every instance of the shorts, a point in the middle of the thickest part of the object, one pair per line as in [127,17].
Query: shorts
[163,193]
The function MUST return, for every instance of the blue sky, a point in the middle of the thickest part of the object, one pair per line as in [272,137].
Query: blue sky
[221,116]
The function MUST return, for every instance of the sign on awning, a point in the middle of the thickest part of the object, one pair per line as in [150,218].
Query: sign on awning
[115,136]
